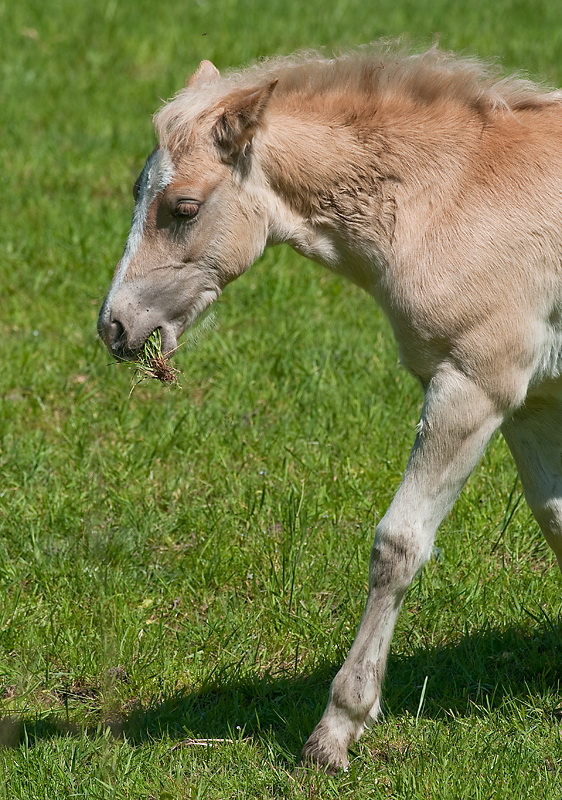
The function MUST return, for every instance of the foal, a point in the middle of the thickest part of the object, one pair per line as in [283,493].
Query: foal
[437,188]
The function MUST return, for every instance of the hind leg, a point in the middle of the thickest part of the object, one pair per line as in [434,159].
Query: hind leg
[534,436]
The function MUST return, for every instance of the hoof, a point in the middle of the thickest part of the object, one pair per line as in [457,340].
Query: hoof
[325,753]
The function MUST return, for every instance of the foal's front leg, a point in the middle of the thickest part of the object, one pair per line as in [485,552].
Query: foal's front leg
[457,422]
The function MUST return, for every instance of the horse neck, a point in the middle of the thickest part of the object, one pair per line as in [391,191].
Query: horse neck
[352,175]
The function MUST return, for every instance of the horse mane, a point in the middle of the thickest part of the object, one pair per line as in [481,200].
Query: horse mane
[373,72]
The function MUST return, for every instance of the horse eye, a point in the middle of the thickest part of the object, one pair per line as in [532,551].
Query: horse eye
[186,209]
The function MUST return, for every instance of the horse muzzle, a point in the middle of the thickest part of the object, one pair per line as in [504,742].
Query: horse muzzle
[126,321]
[134,309]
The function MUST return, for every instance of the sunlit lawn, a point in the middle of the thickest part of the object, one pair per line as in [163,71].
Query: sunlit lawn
[191,564]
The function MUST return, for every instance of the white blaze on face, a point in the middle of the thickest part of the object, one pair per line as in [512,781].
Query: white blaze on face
[156,175]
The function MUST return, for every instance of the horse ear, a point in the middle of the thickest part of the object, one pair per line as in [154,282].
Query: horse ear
[241,114]
[206,72]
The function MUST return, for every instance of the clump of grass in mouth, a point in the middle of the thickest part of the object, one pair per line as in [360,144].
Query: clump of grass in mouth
[153,364]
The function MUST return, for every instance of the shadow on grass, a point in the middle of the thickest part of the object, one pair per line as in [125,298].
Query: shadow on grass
[480,671]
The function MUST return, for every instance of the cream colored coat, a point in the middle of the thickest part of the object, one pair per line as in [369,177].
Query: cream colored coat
[434,185]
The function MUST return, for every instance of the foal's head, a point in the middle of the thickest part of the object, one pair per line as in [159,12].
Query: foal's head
[200,218]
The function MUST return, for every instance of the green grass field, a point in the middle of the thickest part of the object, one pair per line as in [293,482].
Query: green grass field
[191,564]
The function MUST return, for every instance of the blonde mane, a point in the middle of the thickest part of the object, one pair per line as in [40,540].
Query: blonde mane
[371,72]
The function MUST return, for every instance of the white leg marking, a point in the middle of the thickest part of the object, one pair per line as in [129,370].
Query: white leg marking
[534,436]
[458,422]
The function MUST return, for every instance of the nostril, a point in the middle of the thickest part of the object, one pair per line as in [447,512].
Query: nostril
[116,334]
[116,330]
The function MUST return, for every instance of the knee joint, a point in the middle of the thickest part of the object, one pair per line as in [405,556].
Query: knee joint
[396,558]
